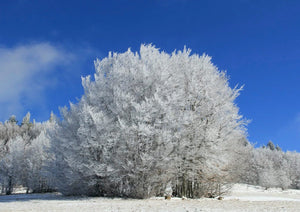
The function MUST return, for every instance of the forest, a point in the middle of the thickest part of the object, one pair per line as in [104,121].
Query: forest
[148,124]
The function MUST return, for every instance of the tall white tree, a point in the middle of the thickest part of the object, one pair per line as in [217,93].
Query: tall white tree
[149,119]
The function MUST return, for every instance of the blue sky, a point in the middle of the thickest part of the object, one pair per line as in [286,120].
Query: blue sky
[46,46]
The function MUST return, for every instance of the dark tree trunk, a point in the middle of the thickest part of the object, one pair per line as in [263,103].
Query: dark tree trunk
[10,187]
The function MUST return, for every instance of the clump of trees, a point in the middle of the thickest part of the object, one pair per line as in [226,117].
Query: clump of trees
[149,123]
[269,166]
[23,155]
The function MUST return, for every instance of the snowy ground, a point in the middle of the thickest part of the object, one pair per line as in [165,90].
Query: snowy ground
[240,198]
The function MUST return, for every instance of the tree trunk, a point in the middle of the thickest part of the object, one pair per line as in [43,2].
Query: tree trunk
[10,187]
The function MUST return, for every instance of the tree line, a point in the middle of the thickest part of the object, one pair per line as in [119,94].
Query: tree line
[149,123]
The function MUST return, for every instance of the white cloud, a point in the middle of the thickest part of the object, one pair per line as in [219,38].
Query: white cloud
[24,72]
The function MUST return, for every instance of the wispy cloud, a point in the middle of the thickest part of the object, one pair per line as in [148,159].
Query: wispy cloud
[24,74]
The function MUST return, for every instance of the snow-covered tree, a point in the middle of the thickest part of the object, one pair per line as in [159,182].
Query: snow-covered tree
[271,146]
[23,154]
[293,162]
[149,119]
[270,168]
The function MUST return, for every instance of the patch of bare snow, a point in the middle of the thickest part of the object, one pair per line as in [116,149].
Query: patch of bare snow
[256,193]
[240,198]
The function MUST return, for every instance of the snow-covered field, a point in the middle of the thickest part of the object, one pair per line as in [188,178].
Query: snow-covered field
[240,198]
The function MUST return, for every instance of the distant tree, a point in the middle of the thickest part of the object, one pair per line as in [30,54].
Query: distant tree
[52,118]
[13,119]
[271,168]
[278,148]
[23,155]
[26,119]
[293,163]
[271,146]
